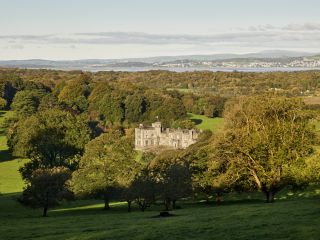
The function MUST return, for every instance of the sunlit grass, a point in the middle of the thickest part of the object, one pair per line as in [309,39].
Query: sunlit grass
[10,179]
[204,123]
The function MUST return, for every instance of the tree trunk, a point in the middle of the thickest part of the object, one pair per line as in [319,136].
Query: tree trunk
[129,205]
[219,197]
[174,204]
[46,204]
[45,210]
[143,205]
[167,204]
[106,204]
[271,196]
[269,193]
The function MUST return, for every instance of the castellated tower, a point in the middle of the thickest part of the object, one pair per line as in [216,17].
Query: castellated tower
[157,127]
[148,137]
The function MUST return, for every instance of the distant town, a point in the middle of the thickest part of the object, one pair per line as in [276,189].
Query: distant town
[263,61]
[301,62]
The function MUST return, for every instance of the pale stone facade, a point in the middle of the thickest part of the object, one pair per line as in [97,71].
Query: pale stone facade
[147,137]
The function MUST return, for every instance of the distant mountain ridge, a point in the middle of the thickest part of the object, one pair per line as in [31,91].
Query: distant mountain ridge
[183,61]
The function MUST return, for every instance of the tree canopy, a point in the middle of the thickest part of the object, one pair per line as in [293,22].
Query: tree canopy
[107,167]
[46,187]
[49,138]
[266,138]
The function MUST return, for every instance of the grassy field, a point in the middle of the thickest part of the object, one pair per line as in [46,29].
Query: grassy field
[240,216]
[10,179]
[3,141]
[205,123]
[285,219]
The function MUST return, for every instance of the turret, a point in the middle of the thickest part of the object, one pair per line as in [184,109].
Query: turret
[157,127]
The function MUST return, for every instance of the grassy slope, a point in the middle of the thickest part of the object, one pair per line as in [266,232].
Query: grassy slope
[10,180]
[286,219]
[205,123]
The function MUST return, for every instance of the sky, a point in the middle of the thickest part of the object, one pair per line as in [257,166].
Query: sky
[109,29]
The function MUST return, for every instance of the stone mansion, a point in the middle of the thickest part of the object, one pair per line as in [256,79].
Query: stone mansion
[147,137]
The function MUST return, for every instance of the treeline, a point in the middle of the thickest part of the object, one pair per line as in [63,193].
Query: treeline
[225,84]
[103,102]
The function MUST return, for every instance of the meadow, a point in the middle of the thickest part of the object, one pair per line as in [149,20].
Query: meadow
[240,216]
[204,123]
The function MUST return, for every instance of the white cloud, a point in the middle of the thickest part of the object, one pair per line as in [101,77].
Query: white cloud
[304,37]
[303,27]
[17,46]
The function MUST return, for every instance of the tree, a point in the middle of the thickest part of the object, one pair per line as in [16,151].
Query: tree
[75,92]
[214,106]
[184,124]
[202,178]
[3,103]
[46,188]
[49,101]
[26,103]
[50,139]
[135,106]
[209,174]
[172,176]
[142,189]
[265,139]
[9,85]
[107,167]
[171,109]
[112,107]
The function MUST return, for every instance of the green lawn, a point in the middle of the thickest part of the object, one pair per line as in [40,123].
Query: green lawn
[240,216]
[10,179]
[285,219]
[204,123]
[3,140]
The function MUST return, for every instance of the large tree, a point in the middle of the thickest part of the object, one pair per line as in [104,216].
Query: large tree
[26,102]
[75,92]
[107,167]
[9,85]
[172,176]
[135,106]
[209,174]
[266,138]
[142,189]
[49,138]
[46,187]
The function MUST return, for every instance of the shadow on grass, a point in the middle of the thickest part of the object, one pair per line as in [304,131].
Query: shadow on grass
[196,121]
[121,208]
[115,209]
[6,155]
[95,207]
[11,196]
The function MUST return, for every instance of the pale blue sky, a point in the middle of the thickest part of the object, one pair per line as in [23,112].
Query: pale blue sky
[137,28]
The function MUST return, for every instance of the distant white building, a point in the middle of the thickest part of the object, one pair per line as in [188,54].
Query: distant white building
[147,137]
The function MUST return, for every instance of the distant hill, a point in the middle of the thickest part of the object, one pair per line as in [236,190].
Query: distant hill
[168,62]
